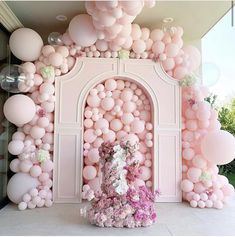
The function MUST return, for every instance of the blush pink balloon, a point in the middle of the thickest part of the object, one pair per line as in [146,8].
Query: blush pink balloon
[116,125]
[107,103]
[89,172]
[137,126]
[146,173]
[129,107]
[95,184]
[89,135]
[218,147]
[47,166]
[82,31]
[157,35]
[35,171]
[179,72]
[15,147]
[158,47]
[194,174]
[186,185]
[37,132]
[19,109]
[188,153]
[110,136]
[93,155]
[55,59]
[139,46]
[168,64]
[172,50]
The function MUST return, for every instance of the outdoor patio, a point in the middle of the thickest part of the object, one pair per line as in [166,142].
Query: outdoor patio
[64,219]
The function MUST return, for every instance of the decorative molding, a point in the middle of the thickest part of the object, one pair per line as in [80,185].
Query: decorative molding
[7,18]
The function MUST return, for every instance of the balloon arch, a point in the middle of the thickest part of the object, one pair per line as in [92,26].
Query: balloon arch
[107,31]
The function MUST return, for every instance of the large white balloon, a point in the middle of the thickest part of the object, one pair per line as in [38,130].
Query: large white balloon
[19,109]
[19,184]
[26,44]
[82,31]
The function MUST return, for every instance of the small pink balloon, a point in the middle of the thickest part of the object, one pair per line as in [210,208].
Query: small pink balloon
[14,165]
[107,103]
[35,171]
[168,64]
[89,135]
[132,138]
[110,84]
[127,118]
[47,166]
[188,153]
[186,185]
[139,46]
[137,126]
[93,101]
[157,34]
[158,47]
[89,172]
[43,122]
[172,50]
[194,174]
[201,204]
[15,147]
[37,132]
[93,155]
[146,173]
[55,59]
[126,95]
[199,187]
[25,166]
[110,136]
[116,125]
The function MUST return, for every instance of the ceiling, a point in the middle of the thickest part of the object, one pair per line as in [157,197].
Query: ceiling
[196,17]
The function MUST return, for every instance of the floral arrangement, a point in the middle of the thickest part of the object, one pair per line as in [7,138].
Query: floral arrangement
[119,203]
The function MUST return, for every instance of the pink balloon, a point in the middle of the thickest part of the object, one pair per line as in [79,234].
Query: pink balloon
[135,32]
[37,132]
[172,50]
[146,173]
[43,122]
[47,166]
[93,101]
[55,59]
[18,185]
[188,153]
[14,165]
[107,103]
[101,45]
[110,84]
[101,123]
[218,147]
[15,147]
[228,190]
[89,136]
[89,172]
[110,136]
[199,162]
[116,125]
[129,107]
[168,64]
[126,95]
[95,184]
[93,155]
[139,46]
[186,185]
[179,72]
[199,188]
[35,171]
[194,174]
[25,166]
[82,31]
[26,44]
[132,138]
[193,203]
[137,126]
[194,57]
[19,109]
[157,35]
[158,47]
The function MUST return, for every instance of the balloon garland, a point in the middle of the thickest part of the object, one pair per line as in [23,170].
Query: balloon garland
[107,31]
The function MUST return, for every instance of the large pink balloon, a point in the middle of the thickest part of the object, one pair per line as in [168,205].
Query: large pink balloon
[194,57]
[82,31]
[19,109]
[218,147]
[19,184]
[26,44]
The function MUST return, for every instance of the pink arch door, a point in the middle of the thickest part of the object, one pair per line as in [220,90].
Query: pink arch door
[71,92]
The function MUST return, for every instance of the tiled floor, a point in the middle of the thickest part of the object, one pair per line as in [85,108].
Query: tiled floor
[64,219]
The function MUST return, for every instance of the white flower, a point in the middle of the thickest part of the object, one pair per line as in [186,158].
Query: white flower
[121,186]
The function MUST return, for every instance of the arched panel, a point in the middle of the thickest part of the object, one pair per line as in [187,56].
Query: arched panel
[71,92]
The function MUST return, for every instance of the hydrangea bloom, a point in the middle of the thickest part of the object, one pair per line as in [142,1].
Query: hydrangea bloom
[119,203]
